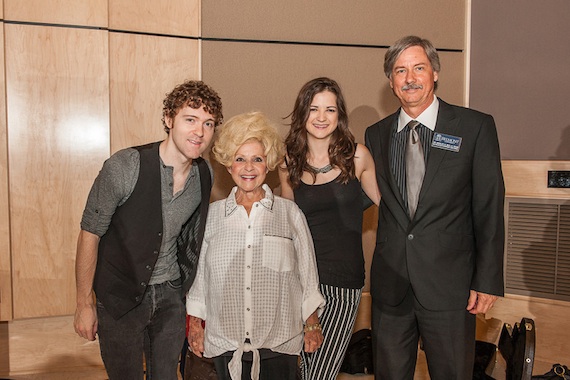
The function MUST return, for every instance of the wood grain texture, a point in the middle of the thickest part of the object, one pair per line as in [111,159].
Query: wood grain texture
[5,262]
[44,345]
[178,18]
[530,178]
[71,12]
[58,127]
[143,70]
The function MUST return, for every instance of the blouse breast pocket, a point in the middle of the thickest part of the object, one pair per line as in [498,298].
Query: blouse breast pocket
[278,253]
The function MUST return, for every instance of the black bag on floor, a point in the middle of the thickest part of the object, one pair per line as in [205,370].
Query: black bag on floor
[358,358]
[517,344]
[558,372]
[199,368]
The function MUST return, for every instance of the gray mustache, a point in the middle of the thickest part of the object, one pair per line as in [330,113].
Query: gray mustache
[412,86]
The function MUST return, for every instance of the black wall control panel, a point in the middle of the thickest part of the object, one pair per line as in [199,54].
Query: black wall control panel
[559,178]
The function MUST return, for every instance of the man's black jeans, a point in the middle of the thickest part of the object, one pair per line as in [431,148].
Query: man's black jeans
[156,327]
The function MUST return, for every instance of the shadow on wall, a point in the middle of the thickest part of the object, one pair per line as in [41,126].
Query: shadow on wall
[361,118]
[539,262]
[389,103]
[563,151]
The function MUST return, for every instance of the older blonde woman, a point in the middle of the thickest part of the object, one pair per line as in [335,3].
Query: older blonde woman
[257,285]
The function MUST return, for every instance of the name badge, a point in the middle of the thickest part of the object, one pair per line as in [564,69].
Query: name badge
[446,142]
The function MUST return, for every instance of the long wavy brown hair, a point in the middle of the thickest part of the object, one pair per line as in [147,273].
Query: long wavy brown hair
[342,145]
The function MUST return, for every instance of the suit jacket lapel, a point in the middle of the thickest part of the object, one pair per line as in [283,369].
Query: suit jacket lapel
[447,123]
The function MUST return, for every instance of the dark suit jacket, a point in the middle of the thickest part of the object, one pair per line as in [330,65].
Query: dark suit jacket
[456,241]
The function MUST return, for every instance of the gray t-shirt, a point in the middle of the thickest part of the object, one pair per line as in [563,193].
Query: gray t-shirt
[116,182]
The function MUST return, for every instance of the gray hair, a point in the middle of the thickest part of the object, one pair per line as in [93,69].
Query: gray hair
[402,44]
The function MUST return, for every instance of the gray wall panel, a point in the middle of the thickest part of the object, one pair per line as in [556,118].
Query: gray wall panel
[519,73]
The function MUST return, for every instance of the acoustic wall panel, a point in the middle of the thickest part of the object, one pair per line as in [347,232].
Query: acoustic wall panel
[58,106]
[519,74]
[267,77]
[143,69]
[369,22]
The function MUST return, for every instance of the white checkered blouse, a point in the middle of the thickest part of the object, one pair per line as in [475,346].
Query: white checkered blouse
[257,278]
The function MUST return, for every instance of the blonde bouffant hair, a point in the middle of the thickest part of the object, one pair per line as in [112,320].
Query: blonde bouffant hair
[242,128]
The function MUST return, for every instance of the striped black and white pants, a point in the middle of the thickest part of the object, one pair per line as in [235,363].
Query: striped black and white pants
[337,322]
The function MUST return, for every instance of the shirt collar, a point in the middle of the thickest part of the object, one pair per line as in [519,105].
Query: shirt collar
[427,118]
[267,201]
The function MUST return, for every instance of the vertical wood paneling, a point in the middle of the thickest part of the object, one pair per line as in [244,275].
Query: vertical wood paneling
[73,12]
[180,18]
[58,106]
[143,69]
[5,270]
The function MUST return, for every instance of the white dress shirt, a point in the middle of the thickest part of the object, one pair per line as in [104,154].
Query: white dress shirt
[427,118]
[257,279]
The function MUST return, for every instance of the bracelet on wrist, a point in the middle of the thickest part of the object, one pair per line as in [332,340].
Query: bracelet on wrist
[313,327]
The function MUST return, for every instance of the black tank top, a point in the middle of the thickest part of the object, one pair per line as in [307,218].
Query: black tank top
[334,214]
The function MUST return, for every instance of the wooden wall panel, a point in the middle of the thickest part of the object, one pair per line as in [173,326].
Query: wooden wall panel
[143,69]
[370,22]
[179,18]
[5,262]
[58,105]
[529,178]
[72,12]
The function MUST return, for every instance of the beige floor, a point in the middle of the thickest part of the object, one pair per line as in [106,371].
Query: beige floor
[100,374]
[497,371]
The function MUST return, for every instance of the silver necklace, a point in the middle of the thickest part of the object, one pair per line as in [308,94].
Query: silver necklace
[323,170]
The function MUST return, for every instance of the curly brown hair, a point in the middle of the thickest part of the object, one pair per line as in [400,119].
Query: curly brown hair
[194,94]
[342,146]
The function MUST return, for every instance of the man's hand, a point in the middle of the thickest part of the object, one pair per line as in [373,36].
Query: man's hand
[480,302]
[85,321]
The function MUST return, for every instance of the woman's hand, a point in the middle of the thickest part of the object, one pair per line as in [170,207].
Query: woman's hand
[313,340]
[313,333]
[196,336]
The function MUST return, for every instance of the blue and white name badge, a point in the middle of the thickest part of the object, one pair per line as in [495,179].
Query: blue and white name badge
[446,142]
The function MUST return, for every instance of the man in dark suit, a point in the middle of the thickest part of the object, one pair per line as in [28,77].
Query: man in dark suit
[439,253]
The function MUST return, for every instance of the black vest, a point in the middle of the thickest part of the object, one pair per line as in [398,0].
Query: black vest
[129,249]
